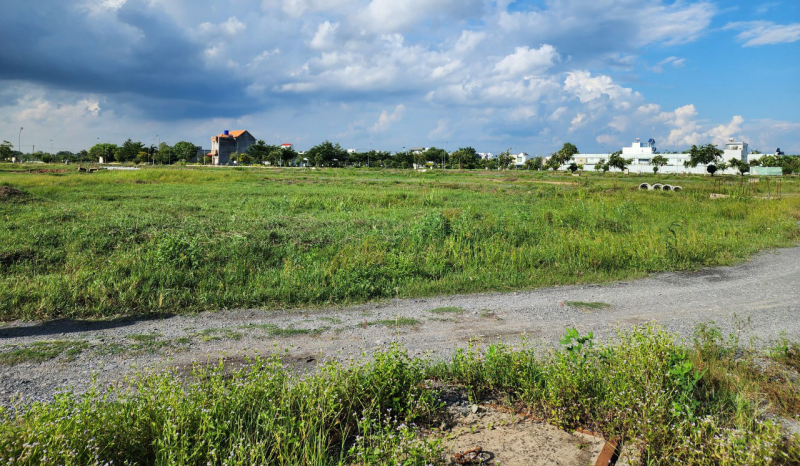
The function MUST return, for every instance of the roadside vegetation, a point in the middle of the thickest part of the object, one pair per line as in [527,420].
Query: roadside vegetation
[93,245]
[711,402]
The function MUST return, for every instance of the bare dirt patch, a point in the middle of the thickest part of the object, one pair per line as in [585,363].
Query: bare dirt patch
[7,192]
[512,439]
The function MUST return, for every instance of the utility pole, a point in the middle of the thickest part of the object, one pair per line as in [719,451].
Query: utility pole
[19,143]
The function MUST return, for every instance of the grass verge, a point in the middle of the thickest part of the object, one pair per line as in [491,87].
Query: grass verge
[701,405]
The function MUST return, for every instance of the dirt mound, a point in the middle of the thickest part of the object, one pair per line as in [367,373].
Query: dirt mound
[7,192]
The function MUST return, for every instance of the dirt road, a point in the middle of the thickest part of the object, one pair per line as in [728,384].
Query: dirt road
[759,300]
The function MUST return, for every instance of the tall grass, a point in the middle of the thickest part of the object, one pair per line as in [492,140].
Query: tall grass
[673,405]
[174,240]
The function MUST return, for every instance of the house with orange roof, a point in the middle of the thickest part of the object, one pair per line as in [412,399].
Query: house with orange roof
[225,144]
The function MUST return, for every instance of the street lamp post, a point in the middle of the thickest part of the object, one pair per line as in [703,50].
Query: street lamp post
[19,143]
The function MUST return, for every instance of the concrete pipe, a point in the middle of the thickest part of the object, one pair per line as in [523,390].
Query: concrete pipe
[657,186]
[677,188]
[666,187]
[645,186]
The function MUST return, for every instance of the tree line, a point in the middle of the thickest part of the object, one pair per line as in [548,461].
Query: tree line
[328,154]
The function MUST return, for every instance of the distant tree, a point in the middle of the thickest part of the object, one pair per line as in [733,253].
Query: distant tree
[754,151]
[436,155]
[504,159]
[419,158]
[657,162]
[5,151]
[615,160]
[142,157]
[600,165]
[465,156]
[573,167]
[533,164]
[722,166]
[288,156]
[326,154]
[245,159]
[740,165]
[185,151]
[552,163]
[260,151]
[165,154]
[128,151]
[704,155]
[564,155]
[104,150]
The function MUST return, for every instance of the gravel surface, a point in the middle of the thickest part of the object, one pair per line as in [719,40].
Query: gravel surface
[759,299]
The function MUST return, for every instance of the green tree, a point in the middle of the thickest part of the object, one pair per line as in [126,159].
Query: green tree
[740,165]
[439,156]
[615,160]
[657,162]
[165,154]
[185,151]
[600,165]
[534,163]
[573,167]
[465,156]
[565,154]
[326,154]
[504,159]
[128,151]
[260,151]
[5,151]
[419,158]
[704,155]
[104,150]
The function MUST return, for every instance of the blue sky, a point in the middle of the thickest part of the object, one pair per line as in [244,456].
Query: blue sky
[388,74]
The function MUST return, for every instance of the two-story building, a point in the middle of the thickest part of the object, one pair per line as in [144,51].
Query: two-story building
[225,144]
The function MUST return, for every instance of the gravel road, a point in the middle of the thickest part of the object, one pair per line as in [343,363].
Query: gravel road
[760,299]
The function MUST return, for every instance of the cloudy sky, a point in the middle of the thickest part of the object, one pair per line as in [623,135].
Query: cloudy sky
[384,74]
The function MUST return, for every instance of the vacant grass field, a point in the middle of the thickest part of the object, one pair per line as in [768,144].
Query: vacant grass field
[184,240]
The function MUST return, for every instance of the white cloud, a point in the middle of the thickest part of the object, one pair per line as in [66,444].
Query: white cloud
[525,60]
[675,62]
[386,119]
[325,36]
[468,41]
[442,130]
[394,15]
[722,133]
[588,88]
[757,33]
[230,27]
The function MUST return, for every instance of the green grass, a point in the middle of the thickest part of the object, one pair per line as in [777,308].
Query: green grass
[447,310]
[42,351]
[398,322]
[275,331]
[216,334]
[696,404]
[187,240]
[588,305]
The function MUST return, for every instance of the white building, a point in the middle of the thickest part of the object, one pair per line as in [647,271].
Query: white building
[520,159]
[642,153]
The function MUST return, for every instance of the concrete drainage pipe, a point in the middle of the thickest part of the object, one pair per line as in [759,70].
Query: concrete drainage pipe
[677,188]
[645,186]
[657,186]
[666,187]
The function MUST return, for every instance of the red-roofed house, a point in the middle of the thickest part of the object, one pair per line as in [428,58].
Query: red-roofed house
[225,144]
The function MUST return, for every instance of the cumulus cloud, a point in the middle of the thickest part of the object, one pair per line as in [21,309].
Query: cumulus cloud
[442,130]
[756,33]
[325,36]
[386,119]
[526,60]
[720,134]
[588,88]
